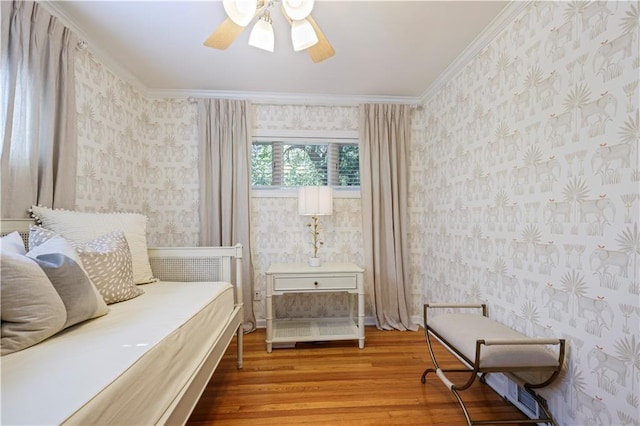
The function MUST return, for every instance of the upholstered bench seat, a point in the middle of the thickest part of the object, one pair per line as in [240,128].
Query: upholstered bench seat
[462,331]
[488,346]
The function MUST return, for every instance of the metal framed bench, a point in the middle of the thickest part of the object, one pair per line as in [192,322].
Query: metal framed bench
[487,346]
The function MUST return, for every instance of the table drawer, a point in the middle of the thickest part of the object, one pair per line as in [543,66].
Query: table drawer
[305,282]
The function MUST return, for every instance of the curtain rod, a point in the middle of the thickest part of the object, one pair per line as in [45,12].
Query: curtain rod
[194,100]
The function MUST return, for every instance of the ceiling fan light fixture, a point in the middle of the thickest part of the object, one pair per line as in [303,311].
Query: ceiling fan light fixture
[241,12]
[262,35]
[297,9]
[305,32]
[303,35]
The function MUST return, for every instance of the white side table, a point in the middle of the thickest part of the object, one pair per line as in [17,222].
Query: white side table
[286,278]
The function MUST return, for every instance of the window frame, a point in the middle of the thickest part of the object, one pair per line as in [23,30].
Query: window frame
[304,137]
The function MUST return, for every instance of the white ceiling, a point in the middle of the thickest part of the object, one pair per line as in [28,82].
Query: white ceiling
[391,50]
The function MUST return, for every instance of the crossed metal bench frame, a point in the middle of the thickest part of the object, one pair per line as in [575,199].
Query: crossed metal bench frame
[474,367]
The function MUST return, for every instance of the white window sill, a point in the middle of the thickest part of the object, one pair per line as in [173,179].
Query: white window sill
[293,193]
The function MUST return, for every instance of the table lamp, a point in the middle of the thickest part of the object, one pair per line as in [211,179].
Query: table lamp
[315,201]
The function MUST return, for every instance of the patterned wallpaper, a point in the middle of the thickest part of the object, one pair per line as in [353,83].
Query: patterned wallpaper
[525,194]
[141,155]
[524,190]
[136,154]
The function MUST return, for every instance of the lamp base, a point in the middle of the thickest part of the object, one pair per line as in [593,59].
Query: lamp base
[314,261]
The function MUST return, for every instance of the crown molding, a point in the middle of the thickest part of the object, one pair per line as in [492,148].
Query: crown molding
[105,58]
[256,97]
[279,98]
[499,23]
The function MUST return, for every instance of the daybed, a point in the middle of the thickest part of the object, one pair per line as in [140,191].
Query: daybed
[146,361]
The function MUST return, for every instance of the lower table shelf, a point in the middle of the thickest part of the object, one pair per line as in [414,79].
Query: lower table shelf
[314,329]
[285,279]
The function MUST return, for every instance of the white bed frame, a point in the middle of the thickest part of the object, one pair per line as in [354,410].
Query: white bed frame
[187,264]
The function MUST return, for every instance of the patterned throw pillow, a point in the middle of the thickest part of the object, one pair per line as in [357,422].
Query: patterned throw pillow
[106,259]
[82,227]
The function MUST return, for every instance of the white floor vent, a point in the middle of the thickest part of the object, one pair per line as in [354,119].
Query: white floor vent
[523,400]
[516,394]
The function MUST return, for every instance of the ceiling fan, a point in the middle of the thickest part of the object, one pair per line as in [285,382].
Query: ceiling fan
[305,33]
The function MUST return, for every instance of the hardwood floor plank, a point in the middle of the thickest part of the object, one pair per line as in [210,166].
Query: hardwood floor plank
[335,383]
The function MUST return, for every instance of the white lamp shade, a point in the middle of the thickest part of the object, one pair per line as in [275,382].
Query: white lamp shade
[297,9]
[315,200]
[262,36]
[240,12]
[302,35]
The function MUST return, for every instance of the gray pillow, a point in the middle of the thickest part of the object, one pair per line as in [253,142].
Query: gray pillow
[31,309]
[60,261]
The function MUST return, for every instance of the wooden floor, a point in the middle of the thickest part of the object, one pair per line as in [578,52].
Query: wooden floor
[338,384]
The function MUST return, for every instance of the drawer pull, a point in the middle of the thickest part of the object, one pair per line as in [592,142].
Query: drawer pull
[315,283]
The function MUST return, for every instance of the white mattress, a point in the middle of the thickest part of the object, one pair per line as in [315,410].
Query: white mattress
[123,368]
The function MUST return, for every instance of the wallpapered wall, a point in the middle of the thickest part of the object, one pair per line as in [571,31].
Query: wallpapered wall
[138,154]
[524,190]
[525,194]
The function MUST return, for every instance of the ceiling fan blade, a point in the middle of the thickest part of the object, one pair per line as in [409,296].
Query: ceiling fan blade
[322,49]
[227,32]
[224,35]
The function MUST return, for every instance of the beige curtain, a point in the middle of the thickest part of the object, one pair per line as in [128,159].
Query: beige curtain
[37,110]
[225,185]
[385,132]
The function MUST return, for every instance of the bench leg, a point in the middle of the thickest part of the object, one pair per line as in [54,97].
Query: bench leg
[423,379]
[464,407]
[437,368]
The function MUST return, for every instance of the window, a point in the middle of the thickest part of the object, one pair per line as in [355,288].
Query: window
[292,163]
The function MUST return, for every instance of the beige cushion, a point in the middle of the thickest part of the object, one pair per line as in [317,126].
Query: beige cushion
[62,265]
[31,309]
[81,227]
[106,259]
[463,330]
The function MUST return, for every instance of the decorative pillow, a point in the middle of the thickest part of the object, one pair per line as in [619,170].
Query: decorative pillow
[81,227]
[30,307]
[62,265]
[106,259]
